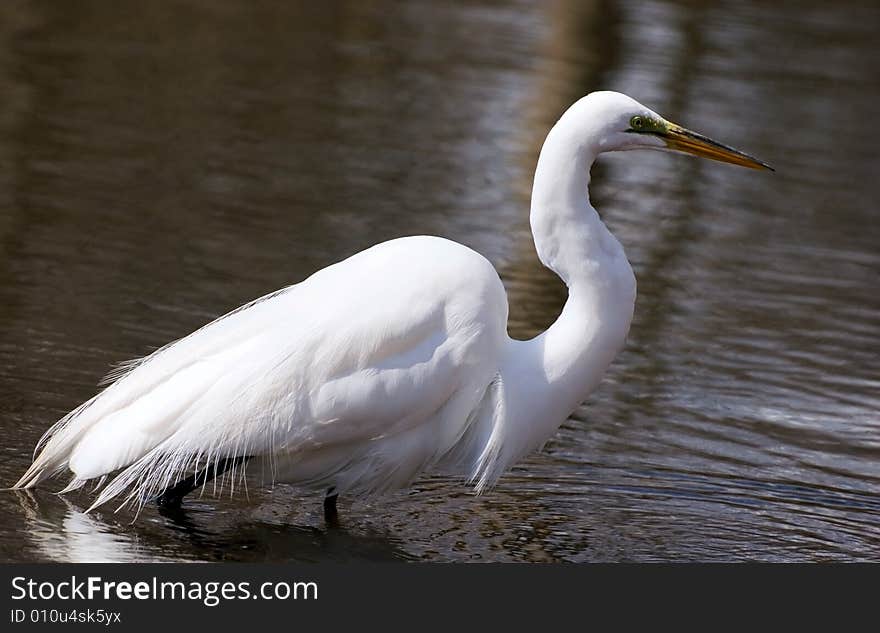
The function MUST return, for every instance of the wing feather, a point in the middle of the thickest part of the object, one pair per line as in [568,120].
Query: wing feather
[362,350]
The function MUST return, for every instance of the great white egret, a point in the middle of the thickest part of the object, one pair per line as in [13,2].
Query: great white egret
[384,365]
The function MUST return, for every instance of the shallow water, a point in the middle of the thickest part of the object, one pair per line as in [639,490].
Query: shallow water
[160,166]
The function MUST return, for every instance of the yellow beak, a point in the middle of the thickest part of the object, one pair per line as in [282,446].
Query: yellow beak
[683,140]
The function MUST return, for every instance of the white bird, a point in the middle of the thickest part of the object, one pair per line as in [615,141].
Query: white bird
[390,363]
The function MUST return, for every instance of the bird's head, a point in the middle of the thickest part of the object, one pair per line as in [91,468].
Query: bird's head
[615,122]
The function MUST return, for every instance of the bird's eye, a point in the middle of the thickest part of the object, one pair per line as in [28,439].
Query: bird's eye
[636,122]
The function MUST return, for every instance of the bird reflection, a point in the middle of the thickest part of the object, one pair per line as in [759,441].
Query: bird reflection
[62,532]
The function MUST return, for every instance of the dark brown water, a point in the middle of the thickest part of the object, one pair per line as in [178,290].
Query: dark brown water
[161,164]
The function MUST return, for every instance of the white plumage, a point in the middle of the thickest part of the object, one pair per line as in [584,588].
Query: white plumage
[372,370]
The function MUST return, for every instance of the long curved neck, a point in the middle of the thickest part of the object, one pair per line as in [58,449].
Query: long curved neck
[546,378]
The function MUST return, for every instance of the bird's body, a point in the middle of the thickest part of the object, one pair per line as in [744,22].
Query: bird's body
[382,366]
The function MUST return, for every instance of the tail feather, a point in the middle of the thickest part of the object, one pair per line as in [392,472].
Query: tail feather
[121,425]
[74,484]
[137,419]
[166,465]
[53,450]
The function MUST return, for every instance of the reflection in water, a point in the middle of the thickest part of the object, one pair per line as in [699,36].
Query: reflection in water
[77,537]
[99,538]
[155,172]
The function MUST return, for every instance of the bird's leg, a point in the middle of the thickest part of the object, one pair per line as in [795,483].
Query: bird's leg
[172,497]
[330,514]
[179,517]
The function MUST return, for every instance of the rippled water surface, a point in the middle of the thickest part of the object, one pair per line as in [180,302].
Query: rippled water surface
[161,164]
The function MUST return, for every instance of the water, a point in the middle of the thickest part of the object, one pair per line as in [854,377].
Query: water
[161,165]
